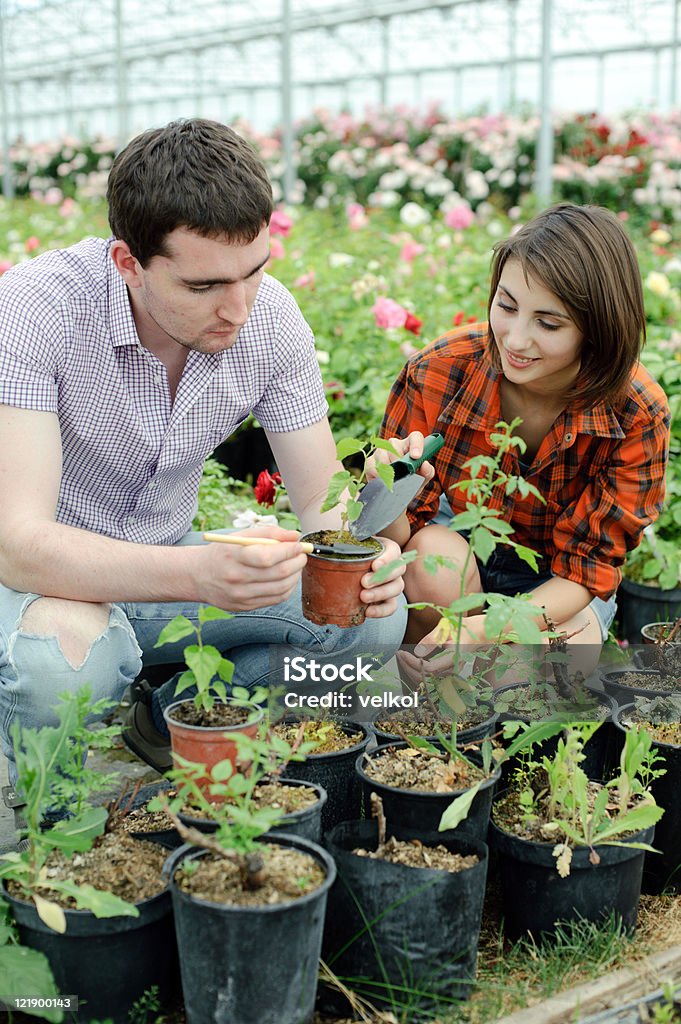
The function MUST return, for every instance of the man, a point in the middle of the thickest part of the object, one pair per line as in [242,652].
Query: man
[123,364]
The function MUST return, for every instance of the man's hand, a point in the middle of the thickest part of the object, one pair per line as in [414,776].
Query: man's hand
[240,579]
[382,598]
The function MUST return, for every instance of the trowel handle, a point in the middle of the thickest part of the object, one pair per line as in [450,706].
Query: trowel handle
[431,446]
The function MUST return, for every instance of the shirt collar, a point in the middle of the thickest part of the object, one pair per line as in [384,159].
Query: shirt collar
[600,421]
[477,403]
[120,319]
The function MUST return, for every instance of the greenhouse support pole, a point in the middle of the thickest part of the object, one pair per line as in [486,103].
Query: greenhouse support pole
[674,55]
[545,146]
[121,78]
[7,175]
[286,100]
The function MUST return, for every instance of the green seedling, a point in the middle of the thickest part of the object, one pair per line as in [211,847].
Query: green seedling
[53,776]
[559,785]
[207,670]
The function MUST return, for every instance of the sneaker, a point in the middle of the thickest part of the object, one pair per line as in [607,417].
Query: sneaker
[142,737]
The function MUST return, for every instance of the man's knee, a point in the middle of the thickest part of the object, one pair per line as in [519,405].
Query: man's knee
[75,625]
[63,645]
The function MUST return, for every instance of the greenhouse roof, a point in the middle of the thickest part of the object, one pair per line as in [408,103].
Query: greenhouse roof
[116,65]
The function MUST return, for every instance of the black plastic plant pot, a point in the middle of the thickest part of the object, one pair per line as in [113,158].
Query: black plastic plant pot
[599,750]
[535,897]
[166,837]
[638,605]
[471,734]
[305,823]
[380,938]
[422,810]
[335,773]
[662,871]
[223,950]
[620,684]
[109,963]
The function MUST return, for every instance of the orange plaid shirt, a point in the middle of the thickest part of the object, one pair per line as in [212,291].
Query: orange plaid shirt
[601,471]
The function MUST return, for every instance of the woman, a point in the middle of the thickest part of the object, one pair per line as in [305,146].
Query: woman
[561,352]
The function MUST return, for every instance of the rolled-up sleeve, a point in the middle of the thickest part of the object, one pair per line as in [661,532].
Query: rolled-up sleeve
[593,535]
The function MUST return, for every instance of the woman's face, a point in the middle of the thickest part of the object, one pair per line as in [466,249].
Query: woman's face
[538,343]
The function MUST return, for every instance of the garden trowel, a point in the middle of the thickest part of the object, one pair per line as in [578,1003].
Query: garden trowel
[382,506]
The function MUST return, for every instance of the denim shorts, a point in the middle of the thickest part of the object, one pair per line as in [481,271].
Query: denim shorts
[506,573]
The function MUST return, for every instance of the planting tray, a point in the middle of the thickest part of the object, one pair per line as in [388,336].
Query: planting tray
[638,1011]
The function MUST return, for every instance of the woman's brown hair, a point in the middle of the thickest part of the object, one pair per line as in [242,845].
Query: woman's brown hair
[583,255]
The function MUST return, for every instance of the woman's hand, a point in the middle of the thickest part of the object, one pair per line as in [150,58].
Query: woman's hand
[411,445]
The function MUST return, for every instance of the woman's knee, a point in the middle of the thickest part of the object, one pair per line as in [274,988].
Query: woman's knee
[440,583]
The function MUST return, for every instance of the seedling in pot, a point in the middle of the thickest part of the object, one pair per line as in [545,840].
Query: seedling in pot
[53,778]
[207,670]
[554,798]
[506,618]
[228,799]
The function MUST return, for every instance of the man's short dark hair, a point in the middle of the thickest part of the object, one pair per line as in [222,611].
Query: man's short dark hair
[197,174]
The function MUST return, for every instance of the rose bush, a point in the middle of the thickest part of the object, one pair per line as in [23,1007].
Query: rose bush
[375,291]
[422,162]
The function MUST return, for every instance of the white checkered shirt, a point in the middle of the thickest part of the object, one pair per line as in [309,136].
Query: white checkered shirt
[132,460]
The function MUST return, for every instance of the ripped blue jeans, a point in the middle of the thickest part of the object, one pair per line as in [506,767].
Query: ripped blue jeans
[34,669]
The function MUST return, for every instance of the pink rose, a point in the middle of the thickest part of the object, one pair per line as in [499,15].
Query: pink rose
[306,281]
[410,250]
[277,250]
[280,223]
[459,217]
[388,313]
[357,217]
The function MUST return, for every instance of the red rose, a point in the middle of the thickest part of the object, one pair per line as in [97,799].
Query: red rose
[335,390]
[458,318]
[413,324]
[265,489]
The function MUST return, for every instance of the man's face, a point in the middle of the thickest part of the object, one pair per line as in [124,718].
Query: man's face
[199,295]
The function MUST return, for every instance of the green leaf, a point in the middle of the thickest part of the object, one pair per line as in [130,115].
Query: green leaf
[28,972]
[204,663]
[100,903]
[177,629]
[482,543]
[640,817]
[337,484]
[353,509]
[348,446]
[184,682]
[207,613]
[226,670]
[222,771]
[386,474]
[78,833]
[527,555]
[465,604]
[382,574]
[459,808]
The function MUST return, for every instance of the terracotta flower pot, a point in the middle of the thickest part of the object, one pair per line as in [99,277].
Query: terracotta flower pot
[201,744]
[331,586]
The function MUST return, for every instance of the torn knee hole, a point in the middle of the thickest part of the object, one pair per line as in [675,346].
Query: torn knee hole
[74,625]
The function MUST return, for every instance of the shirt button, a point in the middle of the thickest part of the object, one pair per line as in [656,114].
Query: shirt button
[568,438]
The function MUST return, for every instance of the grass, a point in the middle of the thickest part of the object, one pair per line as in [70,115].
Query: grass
[511,977]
